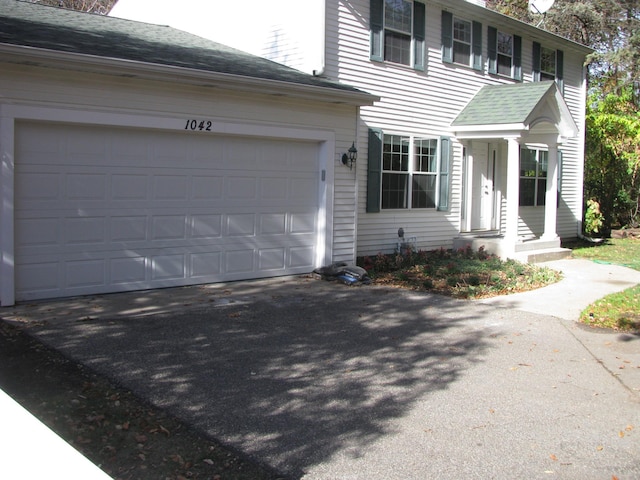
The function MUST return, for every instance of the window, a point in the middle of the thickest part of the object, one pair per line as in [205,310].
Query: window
[548,65]
[398,32]
[533,177]
[461,41]
[407,172]
[505,53]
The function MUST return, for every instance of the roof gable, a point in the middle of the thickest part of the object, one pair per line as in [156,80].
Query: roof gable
[515,107]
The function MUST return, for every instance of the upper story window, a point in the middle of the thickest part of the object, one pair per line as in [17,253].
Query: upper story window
[505,53]
[398,32]
[548,65]
[461,41]
[407,172]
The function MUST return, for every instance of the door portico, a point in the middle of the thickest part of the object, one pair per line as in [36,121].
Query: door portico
[493,133]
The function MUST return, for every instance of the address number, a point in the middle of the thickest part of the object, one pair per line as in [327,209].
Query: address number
[202,125]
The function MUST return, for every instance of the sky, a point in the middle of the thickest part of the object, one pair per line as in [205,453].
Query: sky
[209,20]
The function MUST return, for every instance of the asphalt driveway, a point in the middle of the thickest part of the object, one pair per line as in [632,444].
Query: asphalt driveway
[324,381]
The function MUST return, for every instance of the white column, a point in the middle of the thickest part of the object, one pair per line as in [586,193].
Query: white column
[513,192]
[551,195]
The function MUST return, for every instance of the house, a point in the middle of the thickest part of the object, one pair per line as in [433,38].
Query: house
[137,156]
[478,137]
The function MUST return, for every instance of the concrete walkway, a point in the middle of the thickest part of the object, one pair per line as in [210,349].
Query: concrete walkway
[324,381]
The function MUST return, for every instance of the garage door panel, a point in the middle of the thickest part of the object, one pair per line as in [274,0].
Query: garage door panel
[146,209]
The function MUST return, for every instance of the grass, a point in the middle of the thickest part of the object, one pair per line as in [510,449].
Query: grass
[619,311]
[461,274]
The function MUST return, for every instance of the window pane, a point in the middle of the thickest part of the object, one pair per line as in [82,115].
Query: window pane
[461,53]
[397,15]
[395,153]
[424,191]
[504,65]
[527,192]
[543,163]
[397,48]
[547,63]
[542,189]
[505,44]
[394,190]
[425,155]
[528,163]
[462,30]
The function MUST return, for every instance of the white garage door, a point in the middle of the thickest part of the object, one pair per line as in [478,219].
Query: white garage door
[102,210]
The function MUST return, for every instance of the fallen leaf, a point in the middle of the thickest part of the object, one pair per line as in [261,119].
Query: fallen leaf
[553,457]
[599,448]
[208,461]
[621,434]
[629,428]
[140,438]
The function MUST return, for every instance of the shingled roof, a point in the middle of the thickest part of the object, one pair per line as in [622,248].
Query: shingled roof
[503,104]
[57,29]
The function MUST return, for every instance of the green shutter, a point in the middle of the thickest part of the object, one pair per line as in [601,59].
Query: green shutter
[374,170]
[560,70]
[476,45]
[536,62]
[444,184]
[492,49]
[517,58]
[376,21]
[447,37]
[418,35]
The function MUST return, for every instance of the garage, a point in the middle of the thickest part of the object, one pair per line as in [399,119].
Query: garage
[102,209]
[136,156]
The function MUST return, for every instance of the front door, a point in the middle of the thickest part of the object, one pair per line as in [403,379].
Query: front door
[483,190]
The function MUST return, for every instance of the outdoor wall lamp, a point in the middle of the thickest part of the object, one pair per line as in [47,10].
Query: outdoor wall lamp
[351,156]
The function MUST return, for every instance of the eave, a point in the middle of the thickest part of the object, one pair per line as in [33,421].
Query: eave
[39,57]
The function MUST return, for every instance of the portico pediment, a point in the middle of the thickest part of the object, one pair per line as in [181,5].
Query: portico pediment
[517,110]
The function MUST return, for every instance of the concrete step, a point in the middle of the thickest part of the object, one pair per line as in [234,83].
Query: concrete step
[543,255]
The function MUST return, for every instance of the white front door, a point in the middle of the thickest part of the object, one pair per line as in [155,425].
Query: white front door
[483,190]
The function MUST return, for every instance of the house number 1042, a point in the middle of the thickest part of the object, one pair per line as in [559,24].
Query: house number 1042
[195,125]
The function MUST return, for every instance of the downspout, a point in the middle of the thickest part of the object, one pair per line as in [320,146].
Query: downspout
[322,39]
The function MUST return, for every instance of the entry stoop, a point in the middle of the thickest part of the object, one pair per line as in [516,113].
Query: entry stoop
[543,255]
[526,251]
[537,251]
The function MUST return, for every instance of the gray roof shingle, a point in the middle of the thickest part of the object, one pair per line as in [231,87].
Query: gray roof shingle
[52,28]
[503,104]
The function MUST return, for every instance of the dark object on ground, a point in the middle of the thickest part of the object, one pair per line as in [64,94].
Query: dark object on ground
[124,436]
[347,274]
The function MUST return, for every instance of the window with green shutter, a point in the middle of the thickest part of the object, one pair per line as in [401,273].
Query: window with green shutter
[548,64]
[504,52]
[461,41]
[407,172]
[398,32]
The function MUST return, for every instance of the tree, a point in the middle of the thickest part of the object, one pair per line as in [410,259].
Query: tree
[612,167]
[101,7]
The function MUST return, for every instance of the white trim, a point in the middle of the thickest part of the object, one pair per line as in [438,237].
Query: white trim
[9,114]
[7,263]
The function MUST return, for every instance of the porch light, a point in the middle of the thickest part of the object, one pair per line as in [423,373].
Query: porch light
[351,156]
